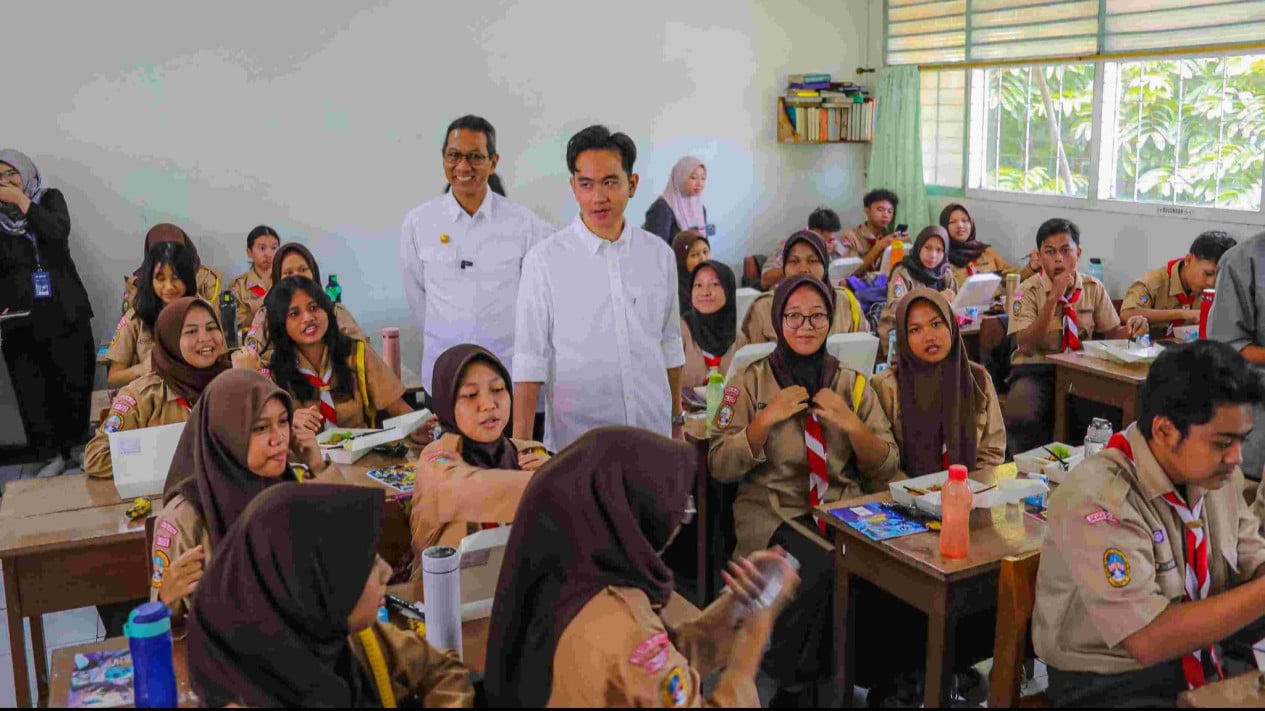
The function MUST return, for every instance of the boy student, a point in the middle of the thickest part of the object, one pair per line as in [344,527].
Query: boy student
[825,222]
[597,323]
[1050,301]
[251,288]
[868,239]
[1152,557]
[1170,295]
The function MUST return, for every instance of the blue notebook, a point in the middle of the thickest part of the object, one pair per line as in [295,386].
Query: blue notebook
[876,522]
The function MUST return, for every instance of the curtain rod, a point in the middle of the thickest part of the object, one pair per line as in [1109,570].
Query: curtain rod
[1106,56]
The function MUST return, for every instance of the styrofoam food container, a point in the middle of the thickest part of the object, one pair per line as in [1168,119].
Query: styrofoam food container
[336,453]
[1034,461]
[1005,492]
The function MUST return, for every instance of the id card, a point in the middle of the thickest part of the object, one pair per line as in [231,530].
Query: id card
[710,231]
[43,284]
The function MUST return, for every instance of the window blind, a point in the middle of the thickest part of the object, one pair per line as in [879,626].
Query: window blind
[1021,29]
[926,31]
[1177,24]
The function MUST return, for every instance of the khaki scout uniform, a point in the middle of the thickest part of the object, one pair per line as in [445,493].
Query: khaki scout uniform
[451,501]
[257,335]
[208,284]
[132,342]
[758,326]
[359,410]
[990,262]
[421,676]
[694,373]
[618,652]
[144,402]
[774,481]
[1159,289]
[858,241]
[898,284]
[990,449]
[1113,557]
[245,288]
[1094,314]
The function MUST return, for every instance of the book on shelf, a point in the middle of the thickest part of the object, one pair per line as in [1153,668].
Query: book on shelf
[820,123]
[803,93]
[808,78]
[810,85]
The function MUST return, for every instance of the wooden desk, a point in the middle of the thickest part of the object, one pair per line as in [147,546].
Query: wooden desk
[911,569]
[1095,379]
[64,665]
[1243,691]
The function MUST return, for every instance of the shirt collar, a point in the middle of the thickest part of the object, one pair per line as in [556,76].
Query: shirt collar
[456,211]
[319,369]
[1048,283]
[1151,476]
[1175,281]
[593,243]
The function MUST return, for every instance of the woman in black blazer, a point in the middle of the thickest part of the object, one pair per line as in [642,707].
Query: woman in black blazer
[50,353]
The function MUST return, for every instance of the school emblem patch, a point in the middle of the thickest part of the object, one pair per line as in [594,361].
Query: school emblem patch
[724,415]
[1158,536]
[1015,307]
[1144,299]
[161,561]
[112,424]
[898,290]
[675,689]
[1116,565]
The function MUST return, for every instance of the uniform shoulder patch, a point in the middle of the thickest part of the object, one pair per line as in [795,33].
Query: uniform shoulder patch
[1015,308]
[112,424]
[724,416]
[731,394]
[649,651]
[161,562]
[1116,565]
[898,289]
[674,691]
[1144,299]
[1101,515]
[168,527]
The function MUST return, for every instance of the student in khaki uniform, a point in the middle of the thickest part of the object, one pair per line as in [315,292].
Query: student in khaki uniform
[576,622]
[925,266]
[691,249]
[1058,296]
[803,253]
[171,268]
[188,353]
[968,256]
[709,323]
[473,475]
[250,288]
[342,379]
[1151,557]
[825,222]
[207,281]
[778,413]
[942,407]
[243,436]
[293,259]
[1169,296]
[868,239]
[287,616]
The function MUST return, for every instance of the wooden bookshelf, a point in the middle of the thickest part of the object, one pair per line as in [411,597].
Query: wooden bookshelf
[786,130]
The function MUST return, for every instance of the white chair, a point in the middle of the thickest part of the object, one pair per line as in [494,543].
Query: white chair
[886,263]
[857,351]
[842,268]
[744,297]
[746,356]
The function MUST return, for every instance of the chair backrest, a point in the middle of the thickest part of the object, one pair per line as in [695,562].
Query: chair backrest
[841,268]
[752,265]
[747,355]
[743,298]
[1016,597]
[854,350]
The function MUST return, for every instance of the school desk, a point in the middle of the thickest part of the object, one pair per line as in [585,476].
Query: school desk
[1242,691]
[64,665]
[1097,380]
[911,569]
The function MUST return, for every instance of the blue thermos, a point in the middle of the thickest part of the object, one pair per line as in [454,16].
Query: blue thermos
[148,631]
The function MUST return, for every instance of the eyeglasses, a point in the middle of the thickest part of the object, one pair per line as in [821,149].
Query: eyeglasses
[690,511]
[9,174]
[817,321]
[475,160]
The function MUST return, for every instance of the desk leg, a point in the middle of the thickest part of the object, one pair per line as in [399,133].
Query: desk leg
[1061,386]
[17,634]
[41,659]
[845,633]
[939,661]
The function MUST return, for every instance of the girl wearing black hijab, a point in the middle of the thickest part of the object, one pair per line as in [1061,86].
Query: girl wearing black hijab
[576,620]
[473,476]
[798,430]
[287,615]
[709,323]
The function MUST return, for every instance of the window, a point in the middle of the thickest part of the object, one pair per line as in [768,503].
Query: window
[1031,129]
[1185,132]
[943,127]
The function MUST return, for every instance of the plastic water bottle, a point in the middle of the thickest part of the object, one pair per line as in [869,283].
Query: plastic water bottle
[148,632]
[391,349]
[441,587]
[228,319]
[955,519]
[715,392]
[333,289]
[891,348]
[1097,436]
[1096,270]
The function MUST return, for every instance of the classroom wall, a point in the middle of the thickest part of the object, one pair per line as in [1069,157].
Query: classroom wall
[325,120]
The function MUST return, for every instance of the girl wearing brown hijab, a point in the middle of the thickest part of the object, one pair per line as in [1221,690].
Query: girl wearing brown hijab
[293,259]
[796,430]
[691,249]
[188,353]
[576,620]
[803,253]
[208,280]
[927,265]
[236,444]
[472,476]
[968,256]
[287,615]
[943,408]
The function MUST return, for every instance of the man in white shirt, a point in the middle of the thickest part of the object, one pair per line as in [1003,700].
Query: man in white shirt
[598,322]
[462,252]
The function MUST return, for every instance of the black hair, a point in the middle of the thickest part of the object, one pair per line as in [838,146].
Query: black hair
[470,122]
[1058,226]
[599,138]
[1188,382]
[1211,245]
[147,303]
[285,355]
[261,231]
[881,195]
[823,219]
[494,184]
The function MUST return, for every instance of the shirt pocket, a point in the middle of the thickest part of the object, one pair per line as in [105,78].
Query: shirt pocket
[440,264]
[1170,577]
[499,261]
[646,310]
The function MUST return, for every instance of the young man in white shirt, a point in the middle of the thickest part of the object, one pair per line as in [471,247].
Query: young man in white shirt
[598,322]
[462,252]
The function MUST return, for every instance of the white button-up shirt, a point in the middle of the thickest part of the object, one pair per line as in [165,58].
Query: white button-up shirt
[598,323]
[461,273]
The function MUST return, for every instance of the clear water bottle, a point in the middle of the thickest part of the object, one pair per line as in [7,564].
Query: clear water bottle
[1096,270]
[333,289]
[1097,436]
[956,500]
[715,392]
[891,348]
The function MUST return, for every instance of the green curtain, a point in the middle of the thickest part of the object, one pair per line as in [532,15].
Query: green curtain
[896,155]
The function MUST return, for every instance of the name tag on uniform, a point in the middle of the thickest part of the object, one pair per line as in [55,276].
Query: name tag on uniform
[43,284]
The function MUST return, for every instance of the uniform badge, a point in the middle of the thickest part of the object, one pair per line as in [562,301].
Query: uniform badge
[898,290]
[121,407]
[162,541]
[675,689]
[443,239]
[1144,299]
[724,415]
[1116,565]
[1158,536]
[649,651]
[161,561]
[1015,308]
[731,395]
[1100,516]
[112,424]
[168,527]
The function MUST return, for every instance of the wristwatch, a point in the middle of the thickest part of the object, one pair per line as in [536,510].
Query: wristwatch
[679,419]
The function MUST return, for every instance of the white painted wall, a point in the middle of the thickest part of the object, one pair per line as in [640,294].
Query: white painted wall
[324,120]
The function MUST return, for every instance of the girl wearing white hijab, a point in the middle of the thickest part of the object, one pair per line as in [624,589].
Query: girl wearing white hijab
[680,207]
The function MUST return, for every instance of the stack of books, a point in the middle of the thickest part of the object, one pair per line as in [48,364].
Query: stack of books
[821,110]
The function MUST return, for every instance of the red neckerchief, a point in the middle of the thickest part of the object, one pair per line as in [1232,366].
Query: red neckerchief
[1071,329]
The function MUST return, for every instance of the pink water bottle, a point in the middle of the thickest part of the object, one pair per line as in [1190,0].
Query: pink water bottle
[391,349]
[1205,305]
[955,517]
